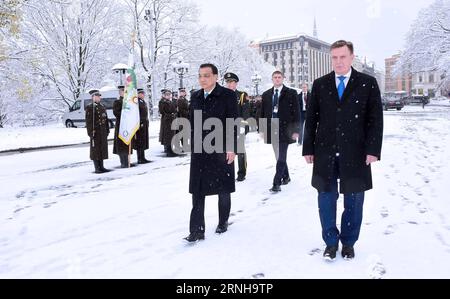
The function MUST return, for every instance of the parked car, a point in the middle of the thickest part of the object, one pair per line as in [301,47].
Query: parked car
[441,98]
[76,117]
[389,103]
[419,99]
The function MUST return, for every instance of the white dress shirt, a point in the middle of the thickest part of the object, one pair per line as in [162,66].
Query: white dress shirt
[209,92]
[279,92]
[304,102]
[347,79]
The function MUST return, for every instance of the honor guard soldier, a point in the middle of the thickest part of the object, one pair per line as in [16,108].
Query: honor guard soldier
[244,112]
[168,111]
[141,140]
[97,126]
[120,148]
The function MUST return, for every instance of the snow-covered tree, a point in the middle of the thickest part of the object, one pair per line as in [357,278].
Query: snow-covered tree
[70,42]
[230,50]
[428,42]
[53,51]
[165,30]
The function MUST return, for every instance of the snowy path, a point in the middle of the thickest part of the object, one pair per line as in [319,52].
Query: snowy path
[57,219]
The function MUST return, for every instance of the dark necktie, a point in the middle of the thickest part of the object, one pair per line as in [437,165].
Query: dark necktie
[276,99]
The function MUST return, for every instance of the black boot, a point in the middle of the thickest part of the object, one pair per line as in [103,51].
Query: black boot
[123,161]
[348,252]
[275,189]
[330,253]
[97,167]
[194,237]
[170,153]
[141,157]
[285,181]
[102,167]
[222,228]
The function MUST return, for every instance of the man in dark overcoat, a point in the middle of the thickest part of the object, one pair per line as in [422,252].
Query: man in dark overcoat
[343,137]
[212,169]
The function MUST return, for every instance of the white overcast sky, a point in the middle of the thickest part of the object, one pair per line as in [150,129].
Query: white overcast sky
[377,27]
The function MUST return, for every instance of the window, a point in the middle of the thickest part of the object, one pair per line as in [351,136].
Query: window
[108,103]
[420,78]
[76,106]
[266,57]
[431,78]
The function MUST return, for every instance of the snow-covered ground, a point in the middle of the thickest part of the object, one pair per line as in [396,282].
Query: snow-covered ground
[51,135]
[59,220]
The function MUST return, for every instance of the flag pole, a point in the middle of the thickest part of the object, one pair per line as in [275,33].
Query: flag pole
[93,122]
[133,41]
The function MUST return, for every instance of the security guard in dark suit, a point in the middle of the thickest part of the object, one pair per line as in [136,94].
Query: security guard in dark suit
[244,112]
[97,125]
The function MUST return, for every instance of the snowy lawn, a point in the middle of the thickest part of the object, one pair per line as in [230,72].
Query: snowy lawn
[50,135]
[59,220]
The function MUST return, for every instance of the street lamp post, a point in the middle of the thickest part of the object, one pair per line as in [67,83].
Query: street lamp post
[181,69]
[120,69]
[256,79]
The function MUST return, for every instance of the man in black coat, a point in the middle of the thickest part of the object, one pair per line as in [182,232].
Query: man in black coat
[279,122]
[343,137]
[141,139]
[212,169]
[303,98]
[97,126]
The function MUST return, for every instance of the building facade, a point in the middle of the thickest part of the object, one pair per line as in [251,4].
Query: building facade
[396,83]
[301,58]
[426,83]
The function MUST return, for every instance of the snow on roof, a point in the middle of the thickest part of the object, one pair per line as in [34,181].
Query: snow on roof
[285,37]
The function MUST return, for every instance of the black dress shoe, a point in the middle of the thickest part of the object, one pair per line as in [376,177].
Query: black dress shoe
[348,252]
[222,228]
[275,189]
[144,161]
[194,237]
[286,181]
[330,253]
[240,178]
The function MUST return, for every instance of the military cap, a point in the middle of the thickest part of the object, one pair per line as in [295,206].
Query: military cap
[95,92]
[231,77]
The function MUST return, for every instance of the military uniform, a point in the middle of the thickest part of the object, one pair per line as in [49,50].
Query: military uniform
[183,108]
[244,112]
[141,140]
[168,111]
[120,148]
[97,125]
